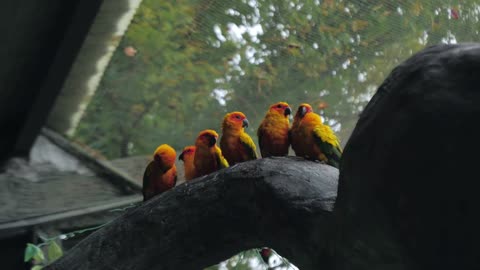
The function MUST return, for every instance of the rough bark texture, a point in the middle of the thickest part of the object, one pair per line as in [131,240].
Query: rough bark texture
[409,179]
[285,203]
[408,191]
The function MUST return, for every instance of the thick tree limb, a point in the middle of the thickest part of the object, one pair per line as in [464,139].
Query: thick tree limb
[284,203]
[408,191]
[409,183]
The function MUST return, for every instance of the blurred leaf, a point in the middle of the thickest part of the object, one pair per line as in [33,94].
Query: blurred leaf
[54,251]
[358,25]
[33,252]
[29,252]
[417,8]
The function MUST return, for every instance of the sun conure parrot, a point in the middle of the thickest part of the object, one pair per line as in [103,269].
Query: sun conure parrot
[161,173]
[187,156]
[273,131]
[314,140]
[208,156]
[297,143]
[237,146]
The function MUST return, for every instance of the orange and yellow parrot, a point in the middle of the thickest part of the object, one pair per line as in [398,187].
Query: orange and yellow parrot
[273,131]
[208,156]
[312,139]
[296,142]
[187,156]
[236,145]
[161,173]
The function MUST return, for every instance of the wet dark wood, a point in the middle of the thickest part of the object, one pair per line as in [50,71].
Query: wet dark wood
[281,202]
[408,191]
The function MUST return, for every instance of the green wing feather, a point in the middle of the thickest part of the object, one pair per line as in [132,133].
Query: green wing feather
[249,145]
[223,163]
[328,143]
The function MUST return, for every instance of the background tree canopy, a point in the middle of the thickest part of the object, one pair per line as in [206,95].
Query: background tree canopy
[196,60]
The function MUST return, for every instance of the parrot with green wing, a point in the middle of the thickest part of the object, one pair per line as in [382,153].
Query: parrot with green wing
[236,145]
[312,139]
[208,156]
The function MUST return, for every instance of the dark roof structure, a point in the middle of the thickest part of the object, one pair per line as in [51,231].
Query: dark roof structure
[47,183]
[41,42]
[59,188]
[59,180]
[49,54]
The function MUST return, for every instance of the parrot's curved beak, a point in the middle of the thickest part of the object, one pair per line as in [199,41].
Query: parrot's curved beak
[181,156]
[288,111]
[303,111]
[212,140]
[245,123]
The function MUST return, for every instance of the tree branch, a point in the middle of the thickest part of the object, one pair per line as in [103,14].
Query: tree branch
[408,192]
[285,203]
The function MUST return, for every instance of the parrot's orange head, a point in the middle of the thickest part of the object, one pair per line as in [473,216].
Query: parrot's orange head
[281,108]
[165,156]
[303,109]
[188,151]
[207,137]
[236,120]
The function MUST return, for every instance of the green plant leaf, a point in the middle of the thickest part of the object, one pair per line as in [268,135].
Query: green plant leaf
[54,251]
[29,252]
[39,255]
[37,267]
[33,251]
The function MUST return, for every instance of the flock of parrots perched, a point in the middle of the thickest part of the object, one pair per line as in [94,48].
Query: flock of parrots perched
[309,137]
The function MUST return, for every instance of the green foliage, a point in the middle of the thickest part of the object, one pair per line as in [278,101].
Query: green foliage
[54,251]
[251,259]
[141,101]
[255,53]
[33,252]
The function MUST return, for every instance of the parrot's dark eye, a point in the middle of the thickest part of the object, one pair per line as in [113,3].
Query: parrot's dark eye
[279,106]
[237,116]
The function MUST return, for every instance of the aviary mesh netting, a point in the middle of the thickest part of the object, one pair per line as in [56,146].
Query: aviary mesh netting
[183,64]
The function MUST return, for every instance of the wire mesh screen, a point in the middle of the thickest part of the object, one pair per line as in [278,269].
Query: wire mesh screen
[183,64]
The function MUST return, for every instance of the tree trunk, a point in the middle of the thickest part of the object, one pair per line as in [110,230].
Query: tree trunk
[409,181]
[285,203]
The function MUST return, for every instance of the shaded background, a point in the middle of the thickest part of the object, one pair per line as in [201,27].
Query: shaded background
[182,65]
